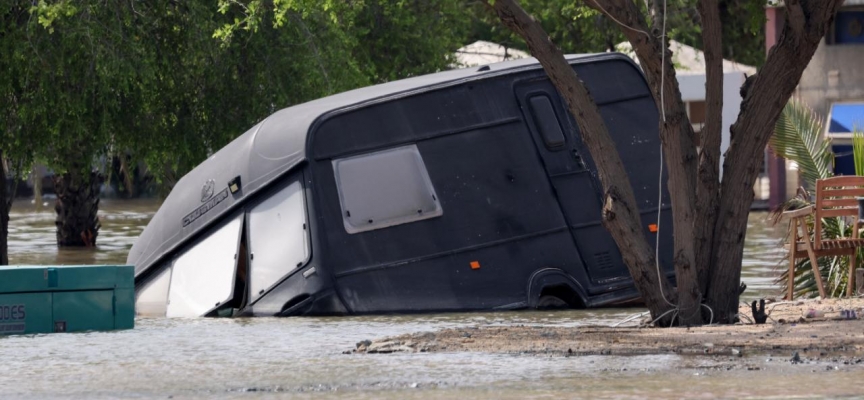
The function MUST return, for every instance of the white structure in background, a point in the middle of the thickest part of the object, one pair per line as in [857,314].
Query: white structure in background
[482,53]
[689,65]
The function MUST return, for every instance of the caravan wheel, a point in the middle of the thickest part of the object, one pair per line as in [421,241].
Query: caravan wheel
[550,302]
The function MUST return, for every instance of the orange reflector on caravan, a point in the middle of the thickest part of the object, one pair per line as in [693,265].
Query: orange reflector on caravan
[475,265]
[652,228]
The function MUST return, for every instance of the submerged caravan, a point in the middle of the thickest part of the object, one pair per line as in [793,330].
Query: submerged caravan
[462,190]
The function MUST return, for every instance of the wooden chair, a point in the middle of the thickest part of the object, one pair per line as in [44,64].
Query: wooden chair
[835,197]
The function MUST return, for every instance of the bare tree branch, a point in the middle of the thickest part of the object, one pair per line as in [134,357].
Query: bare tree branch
[597,6]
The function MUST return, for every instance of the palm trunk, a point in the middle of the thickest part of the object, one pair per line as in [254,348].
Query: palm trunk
[77,205]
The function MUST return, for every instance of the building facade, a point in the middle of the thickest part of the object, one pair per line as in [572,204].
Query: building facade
[832,85]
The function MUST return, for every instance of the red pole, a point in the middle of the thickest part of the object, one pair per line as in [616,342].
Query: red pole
[776,165]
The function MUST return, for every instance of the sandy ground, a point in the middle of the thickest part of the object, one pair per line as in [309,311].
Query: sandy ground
[815,328]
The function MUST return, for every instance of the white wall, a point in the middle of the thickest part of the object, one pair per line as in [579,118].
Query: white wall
[693,89]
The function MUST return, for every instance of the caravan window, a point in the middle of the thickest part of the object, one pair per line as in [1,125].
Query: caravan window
[203,276]
[547,122]
[278,239]
[385,188]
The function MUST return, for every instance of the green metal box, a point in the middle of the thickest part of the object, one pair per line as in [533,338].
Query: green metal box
[42,299]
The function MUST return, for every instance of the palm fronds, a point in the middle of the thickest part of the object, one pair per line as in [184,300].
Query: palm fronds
[858,151]
[798,137]
[833,269]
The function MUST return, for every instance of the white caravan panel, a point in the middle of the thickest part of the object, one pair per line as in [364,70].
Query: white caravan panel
[152,301]
[203,276]
[278,239]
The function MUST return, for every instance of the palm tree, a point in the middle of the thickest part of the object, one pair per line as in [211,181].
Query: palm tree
[798,137]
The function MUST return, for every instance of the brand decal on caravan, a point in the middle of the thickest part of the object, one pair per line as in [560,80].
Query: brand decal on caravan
[209,201]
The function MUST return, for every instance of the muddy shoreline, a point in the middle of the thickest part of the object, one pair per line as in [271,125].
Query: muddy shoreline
[812,329]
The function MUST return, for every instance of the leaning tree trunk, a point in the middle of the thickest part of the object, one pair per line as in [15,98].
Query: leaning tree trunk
[620,213]
[765,95]
[677,138]
[4,214]
[76,207]
[717,235]
[710,217]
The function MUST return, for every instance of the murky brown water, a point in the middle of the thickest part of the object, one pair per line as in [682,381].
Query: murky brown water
[32,238]
[302,357]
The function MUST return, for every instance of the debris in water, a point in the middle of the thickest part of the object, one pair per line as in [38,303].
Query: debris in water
[795,358]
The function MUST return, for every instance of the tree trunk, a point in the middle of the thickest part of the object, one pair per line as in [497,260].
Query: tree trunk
[76,207]
[765,95]
[708,249]
[4,214]
[37,187]
[676,136]
[128,177]
[620,214]
[708,176]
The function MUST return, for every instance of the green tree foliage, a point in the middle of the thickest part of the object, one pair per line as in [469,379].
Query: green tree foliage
[570,24]
[169,82]
[576,28]
[252,58]
[377,40]
[743,23]
[75,78]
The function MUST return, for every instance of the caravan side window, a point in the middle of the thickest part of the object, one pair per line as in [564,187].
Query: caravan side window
[385,188]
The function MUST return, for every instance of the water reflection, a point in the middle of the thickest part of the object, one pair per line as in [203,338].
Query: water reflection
[763,254]
[33,240]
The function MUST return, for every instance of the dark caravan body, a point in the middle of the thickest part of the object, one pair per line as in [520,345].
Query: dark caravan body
[462,190]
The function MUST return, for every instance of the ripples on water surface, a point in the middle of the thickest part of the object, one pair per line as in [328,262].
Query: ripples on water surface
[302,357]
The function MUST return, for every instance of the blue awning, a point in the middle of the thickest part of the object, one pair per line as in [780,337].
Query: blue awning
[845,117]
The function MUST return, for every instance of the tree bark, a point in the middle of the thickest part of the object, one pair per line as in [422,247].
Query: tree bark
[77,206]
[708,249]
[708,177]
[676,136]
[5,204]
[765,95]
[620,214]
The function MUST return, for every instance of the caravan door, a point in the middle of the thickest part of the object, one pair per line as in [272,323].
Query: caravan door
[572,175]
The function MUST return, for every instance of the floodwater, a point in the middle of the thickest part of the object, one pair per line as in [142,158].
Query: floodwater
[302,357]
